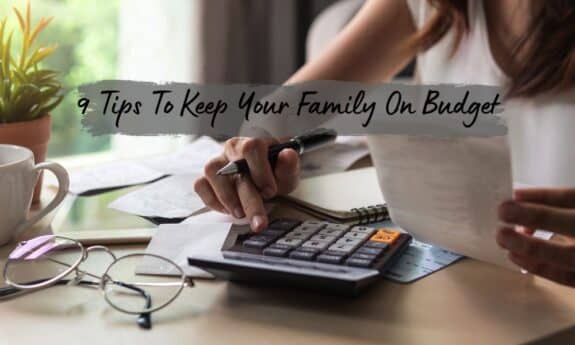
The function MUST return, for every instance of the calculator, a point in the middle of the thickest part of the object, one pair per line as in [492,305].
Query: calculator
[312,254]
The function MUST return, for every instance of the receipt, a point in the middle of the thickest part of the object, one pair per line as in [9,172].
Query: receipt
[446,191]
[172,197]
[111,175]
[214,217]
[188,160]
[179,241]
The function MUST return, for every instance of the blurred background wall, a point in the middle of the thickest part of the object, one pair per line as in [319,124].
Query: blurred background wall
[258,41]
[225,41]
[255,41]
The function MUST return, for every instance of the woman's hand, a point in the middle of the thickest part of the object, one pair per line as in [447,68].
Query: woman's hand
[547,209]
[243,196]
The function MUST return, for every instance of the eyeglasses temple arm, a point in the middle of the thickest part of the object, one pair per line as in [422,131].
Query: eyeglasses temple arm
[144,319]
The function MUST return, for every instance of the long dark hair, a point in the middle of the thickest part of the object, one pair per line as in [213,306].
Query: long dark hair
[547,62]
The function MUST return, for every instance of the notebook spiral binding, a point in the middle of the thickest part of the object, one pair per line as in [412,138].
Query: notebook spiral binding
[371,214]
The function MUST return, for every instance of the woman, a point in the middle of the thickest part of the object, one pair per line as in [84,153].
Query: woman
[527,47]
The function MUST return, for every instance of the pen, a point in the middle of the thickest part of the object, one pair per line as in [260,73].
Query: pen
[302,143]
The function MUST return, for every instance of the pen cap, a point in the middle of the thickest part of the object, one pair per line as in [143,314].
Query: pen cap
[315,138]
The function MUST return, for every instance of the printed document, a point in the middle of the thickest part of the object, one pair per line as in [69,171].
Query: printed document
[111,175]
[172,197]
[446,191]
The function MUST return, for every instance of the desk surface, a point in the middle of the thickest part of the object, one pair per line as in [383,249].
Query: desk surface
[469,303]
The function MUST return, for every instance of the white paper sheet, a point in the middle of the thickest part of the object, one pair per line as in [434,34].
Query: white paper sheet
[446,191]
[172,197]
[206,215]
[334,158]
[188,160]
[111,175]
[178,241]
[214,217]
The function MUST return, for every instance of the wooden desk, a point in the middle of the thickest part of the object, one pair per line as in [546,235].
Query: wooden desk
[468,303]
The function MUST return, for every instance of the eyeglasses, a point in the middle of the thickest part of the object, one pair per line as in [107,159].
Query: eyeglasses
[55,260]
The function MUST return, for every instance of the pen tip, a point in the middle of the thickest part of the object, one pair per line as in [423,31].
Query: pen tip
[227,170]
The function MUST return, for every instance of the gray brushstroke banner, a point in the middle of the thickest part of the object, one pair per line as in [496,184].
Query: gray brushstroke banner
[146,108]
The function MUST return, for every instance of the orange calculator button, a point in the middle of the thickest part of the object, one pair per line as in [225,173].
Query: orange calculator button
[385,236]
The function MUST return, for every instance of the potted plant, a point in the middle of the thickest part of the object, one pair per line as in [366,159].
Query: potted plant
[27,92]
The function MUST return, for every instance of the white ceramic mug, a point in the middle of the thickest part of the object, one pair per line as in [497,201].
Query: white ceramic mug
[18,176]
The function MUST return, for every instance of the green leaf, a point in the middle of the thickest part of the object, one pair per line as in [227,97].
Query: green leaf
[39,55]
[6,57]
[2,31]
[26,90]
[44,22]
[20,19]
[24,97]
[28,17]
[20,76]
[49,107]
[42,76]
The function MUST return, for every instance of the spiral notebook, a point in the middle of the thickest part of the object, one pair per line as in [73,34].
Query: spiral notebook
[330,197]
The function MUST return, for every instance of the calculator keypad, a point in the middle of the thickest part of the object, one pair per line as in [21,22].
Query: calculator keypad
[342,248]
[331,232]
[319,245]
[324,238]
[291,242]
[284,224]
[324,242]
[279,251]
[303,255]
[330,259]
[385,236]
[356,235]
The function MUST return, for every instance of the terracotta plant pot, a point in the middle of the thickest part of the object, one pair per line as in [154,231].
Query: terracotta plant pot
[34,135]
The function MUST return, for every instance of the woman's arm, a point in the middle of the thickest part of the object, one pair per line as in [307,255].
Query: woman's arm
[371,48]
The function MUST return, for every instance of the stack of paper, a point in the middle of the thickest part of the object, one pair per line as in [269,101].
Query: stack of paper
[178,241]
[188,160]
[111,175]
[172,197]
[201,233]
[214,217]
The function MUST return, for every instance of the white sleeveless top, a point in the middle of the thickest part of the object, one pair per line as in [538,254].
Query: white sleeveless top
[445,191]
[541,130]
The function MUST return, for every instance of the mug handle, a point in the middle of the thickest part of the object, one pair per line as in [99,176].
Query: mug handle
[63,185]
